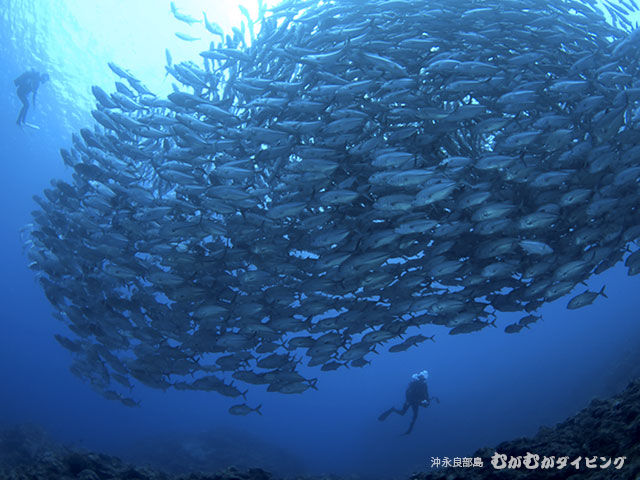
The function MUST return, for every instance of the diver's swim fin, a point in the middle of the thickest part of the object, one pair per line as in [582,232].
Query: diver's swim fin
[31,125]
[384,415]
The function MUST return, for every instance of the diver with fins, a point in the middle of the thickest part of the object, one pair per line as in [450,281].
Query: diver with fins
[26,84]
[417,395]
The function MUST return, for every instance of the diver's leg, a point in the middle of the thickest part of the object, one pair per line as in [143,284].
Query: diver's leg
[386,413]
[22,117]
[413,419]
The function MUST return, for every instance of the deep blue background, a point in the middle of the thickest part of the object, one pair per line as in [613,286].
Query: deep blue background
[492,386]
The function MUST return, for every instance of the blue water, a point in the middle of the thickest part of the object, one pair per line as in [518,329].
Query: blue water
[492,386]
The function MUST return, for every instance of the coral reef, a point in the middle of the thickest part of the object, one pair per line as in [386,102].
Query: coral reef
[209,451]
[604,429]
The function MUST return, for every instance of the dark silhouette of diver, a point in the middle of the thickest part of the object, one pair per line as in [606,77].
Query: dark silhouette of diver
[25,84]
[417,395]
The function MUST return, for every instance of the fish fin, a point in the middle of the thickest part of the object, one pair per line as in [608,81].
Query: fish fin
[244,394]
[432,338]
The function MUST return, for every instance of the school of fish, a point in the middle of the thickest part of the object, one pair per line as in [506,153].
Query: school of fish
[350,173]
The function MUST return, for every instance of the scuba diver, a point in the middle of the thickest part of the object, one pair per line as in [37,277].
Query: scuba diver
[417,395]
[25,84]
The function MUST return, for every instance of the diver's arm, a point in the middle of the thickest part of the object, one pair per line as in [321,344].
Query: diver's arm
[427,399]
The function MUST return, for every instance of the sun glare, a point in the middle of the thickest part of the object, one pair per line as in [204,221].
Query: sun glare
[138,36]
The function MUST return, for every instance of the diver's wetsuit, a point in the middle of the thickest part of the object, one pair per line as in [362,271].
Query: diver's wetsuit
[27,83]
[417,395]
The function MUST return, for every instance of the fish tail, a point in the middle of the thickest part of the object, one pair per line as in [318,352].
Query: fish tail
[257,409]
[601,292]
